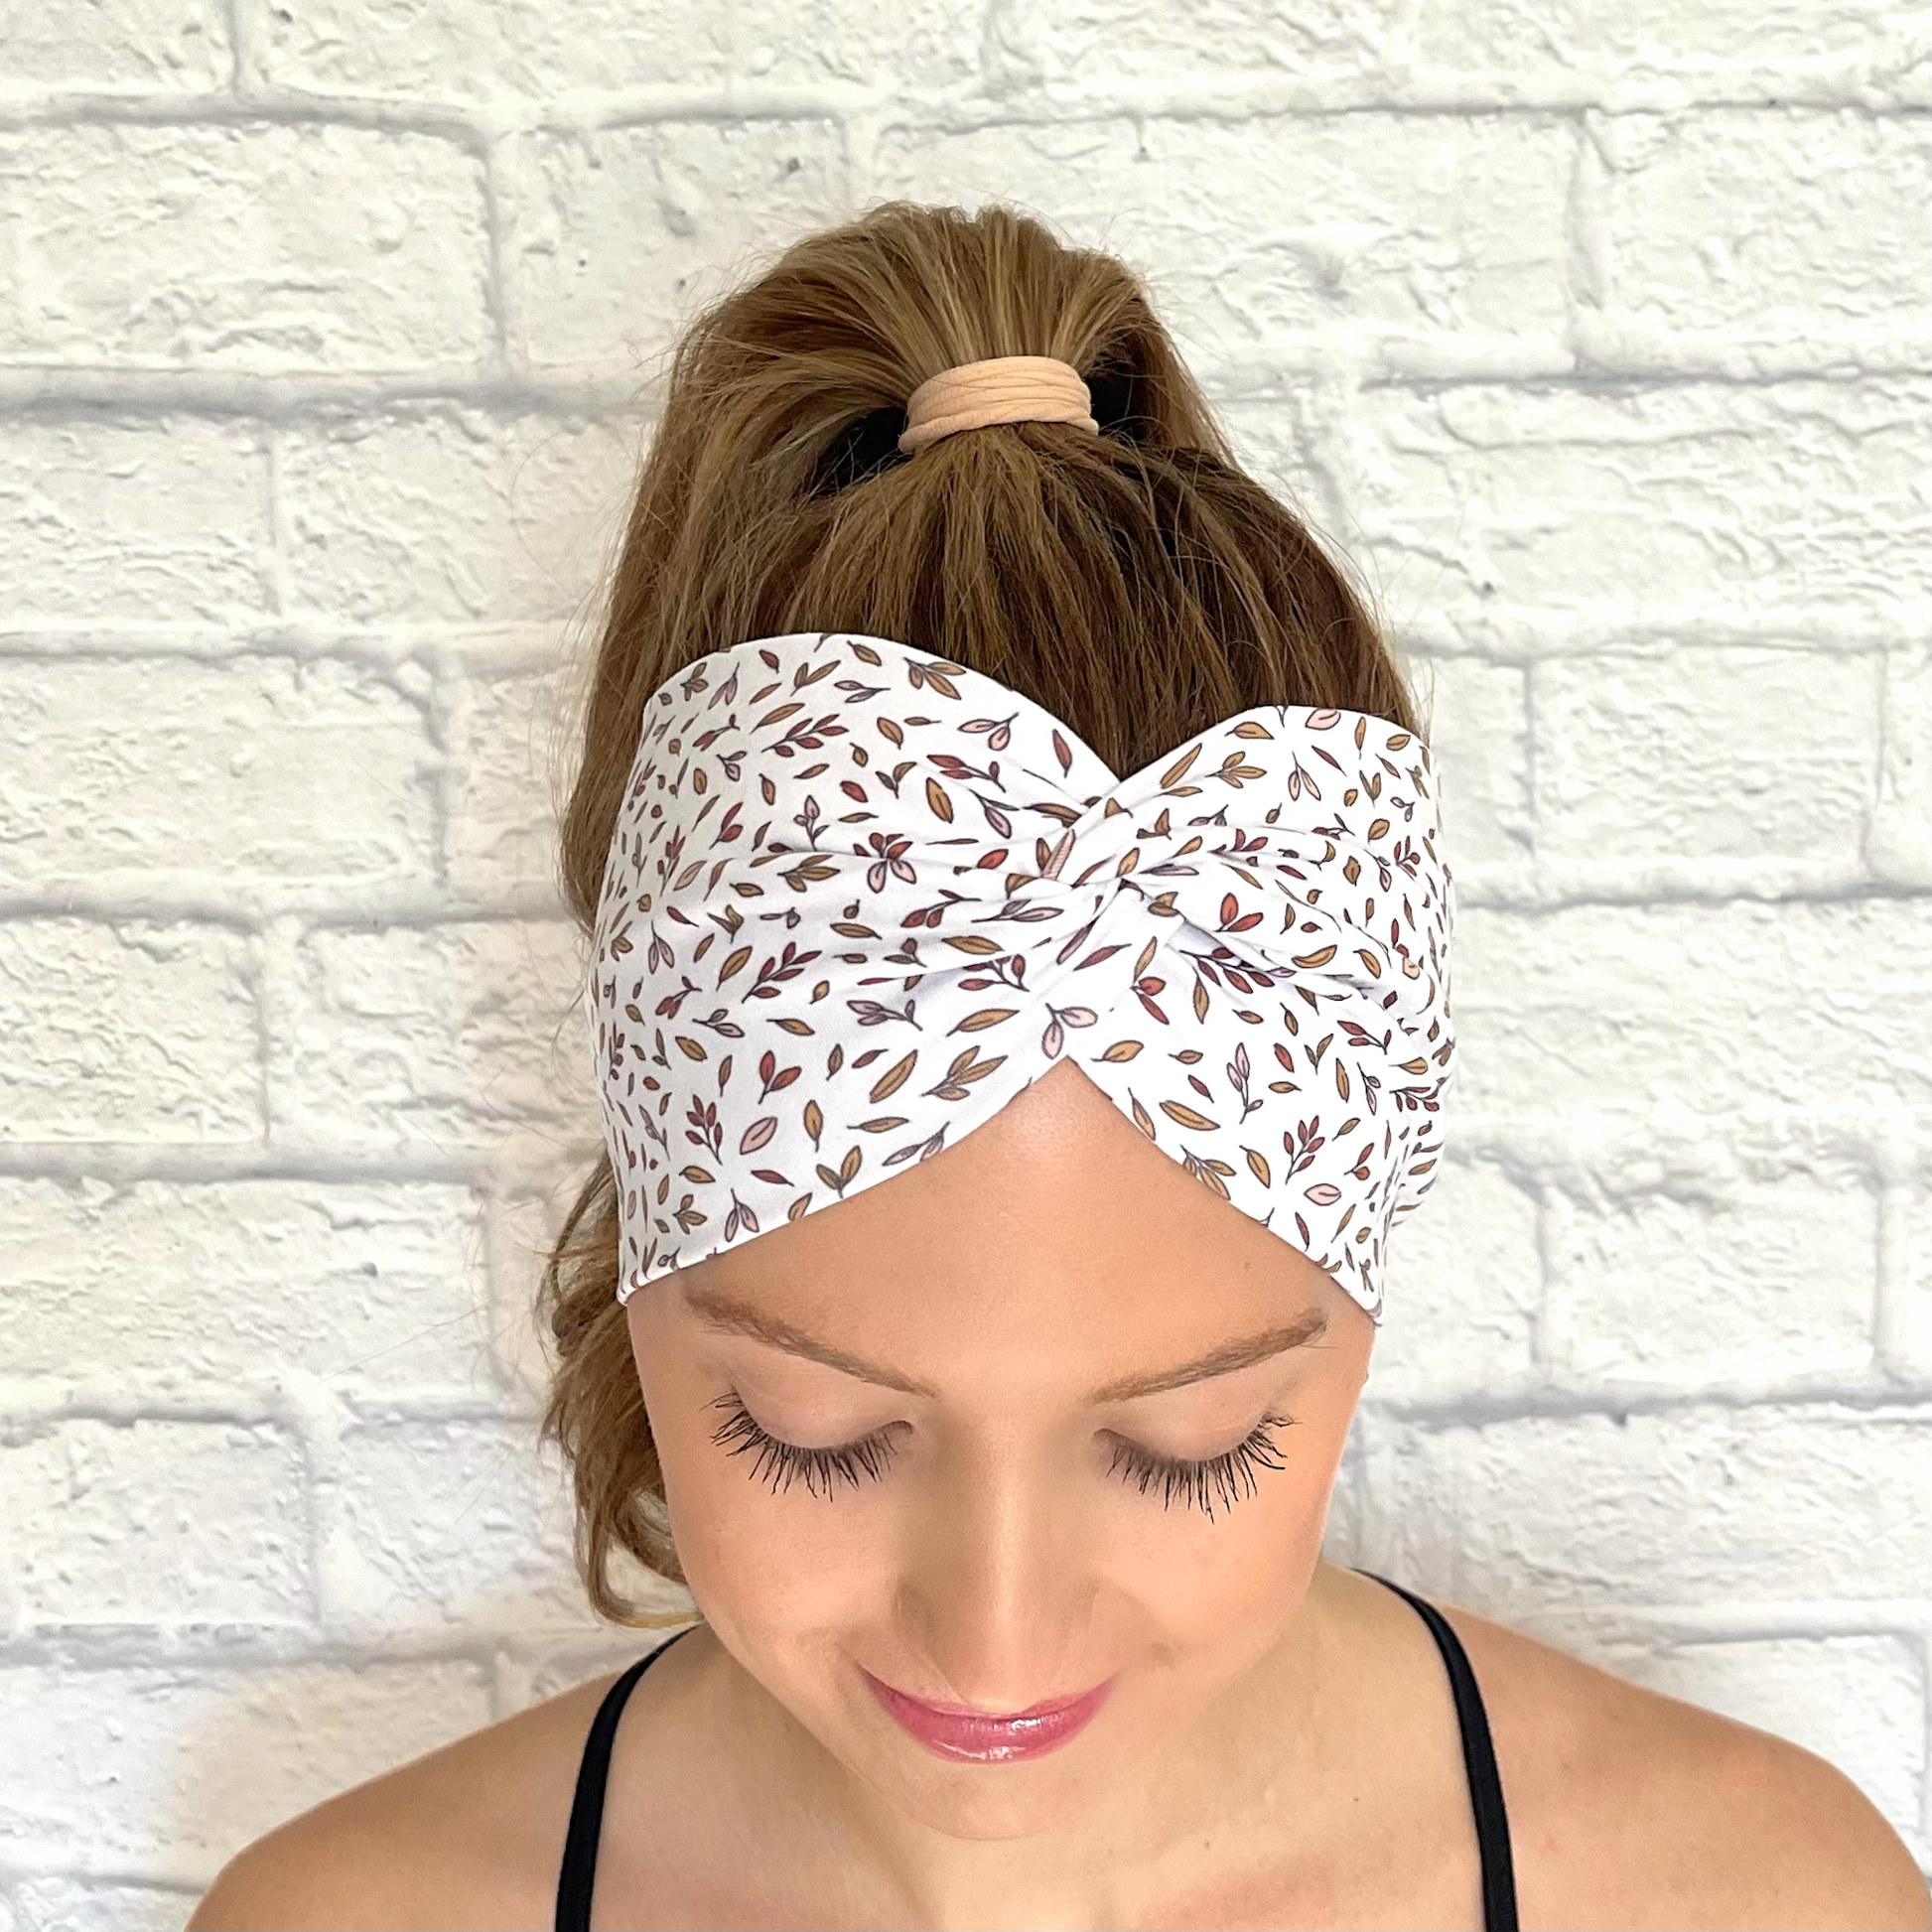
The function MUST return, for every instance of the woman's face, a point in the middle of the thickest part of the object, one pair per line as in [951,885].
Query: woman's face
[1042,1417]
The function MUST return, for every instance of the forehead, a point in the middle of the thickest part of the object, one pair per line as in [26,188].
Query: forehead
[1055,1240]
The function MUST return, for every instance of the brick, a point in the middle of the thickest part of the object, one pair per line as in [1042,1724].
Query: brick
[440,1036]
[142,518]
[1858,1702]
[1506,37]
[62,1905]
[1714,1276]
[1772,222]
[1899,843]
[1271,225]
[128,46]
[513,756]
[473,51]
[1571,1513]
[1464,1290]
[1092,42]
[170,247]
[265,766]
[452,1521]
[159,1523]
[451,515]
[1705,753]
[1478,739]
[361,1284]
[480,49]
[1617,1008]
[1910,1343]
[1646,499]
[186,1765]
[919,45]
[131,1032]
[619,237]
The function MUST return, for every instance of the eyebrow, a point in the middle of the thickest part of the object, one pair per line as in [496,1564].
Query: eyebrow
[1306,1328]
[721,1312]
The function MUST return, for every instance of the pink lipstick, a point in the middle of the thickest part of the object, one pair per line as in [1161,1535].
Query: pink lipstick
[988,1736]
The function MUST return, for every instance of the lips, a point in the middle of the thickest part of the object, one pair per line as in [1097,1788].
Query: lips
[991,1737]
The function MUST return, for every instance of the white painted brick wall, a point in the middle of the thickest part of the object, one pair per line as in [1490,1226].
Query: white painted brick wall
[1598,334]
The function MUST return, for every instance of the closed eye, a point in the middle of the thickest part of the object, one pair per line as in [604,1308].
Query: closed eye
[778,1464]
[1212,1481]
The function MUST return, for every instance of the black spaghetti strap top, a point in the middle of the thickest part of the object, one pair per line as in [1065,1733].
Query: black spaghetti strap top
[578,1877]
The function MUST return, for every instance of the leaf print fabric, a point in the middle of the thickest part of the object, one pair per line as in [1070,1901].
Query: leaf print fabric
[859,898]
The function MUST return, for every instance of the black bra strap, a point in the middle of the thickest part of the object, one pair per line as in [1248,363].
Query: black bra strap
[577,1880]
[1478,1762]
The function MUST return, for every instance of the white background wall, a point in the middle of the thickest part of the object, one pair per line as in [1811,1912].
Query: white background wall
[1597,332]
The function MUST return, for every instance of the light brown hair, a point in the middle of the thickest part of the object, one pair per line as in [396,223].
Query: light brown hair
[1135,583]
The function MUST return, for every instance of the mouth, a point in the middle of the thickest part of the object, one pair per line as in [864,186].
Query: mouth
[991,1736]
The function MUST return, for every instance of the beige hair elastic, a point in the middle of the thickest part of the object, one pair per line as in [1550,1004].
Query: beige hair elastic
[1001,389]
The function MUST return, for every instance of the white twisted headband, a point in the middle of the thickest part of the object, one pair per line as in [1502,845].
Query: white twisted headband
[858,897]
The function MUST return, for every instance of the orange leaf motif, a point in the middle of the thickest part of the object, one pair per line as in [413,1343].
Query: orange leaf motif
[894,1077]
[977,1023]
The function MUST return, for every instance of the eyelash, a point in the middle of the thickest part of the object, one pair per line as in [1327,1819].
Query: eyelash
[1217,1479]
[781,1465]
[1223,1478]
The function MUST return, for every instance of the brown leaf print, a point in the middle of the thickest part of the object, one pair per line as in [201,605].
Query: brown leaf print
[976,1023]
[894,1077]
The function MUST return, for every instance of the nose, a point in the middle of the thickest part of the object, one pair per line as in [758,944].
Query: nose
[999,1590]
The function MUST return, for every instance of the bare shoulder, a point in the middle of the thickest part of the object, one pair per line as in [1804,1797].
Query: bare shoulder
[470,1834]
[1634,1808]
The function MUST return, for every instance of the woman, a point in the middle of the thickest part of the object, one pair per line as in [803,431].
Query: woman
[1020,992]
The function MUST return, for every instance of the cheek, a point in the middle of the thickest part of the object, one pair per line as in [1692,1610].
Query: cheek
[1223,1586]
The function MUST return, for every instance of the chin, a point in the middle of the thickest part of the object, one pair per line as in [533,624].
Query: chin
[985,1803]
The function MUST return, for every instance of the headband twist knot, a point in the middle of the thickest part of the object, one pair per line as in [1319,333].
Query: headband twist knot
[1001,389]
